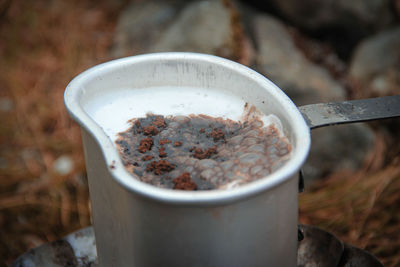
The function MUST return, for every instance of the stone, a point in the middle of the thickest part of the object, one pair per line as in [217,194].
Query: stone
[396,4]
[141,24]
[280,60]
[355,15]
[202,26]
[341,24]
[82,244]
[58,253]
[336,148]
[212,27]
[375,65]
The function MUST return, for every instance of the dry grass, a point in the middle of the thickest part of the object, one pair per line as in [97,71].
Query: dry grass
[361,208]
[43,45]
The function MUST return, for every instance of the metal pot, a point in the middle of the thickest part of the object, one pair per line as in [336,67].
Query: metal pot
[137,224]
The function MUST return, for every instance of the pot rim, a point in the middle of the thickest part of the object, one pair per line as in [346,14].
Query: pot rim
[114,164]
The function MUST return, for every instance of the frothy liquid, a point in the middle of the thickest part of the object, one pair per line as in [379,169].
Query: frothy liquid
[200,152]
[183,154]
[112,110]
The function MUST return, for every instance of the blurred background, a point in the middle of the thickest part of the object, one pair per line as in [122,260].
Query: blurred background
[315,50]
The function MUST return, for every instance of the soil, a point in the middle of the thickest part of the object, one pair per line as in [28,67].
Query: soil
[199,152]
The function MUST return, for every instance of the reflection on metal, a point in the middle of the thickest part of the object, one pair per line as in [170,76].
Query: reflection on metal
[325,114]
[318,248]
[353,256]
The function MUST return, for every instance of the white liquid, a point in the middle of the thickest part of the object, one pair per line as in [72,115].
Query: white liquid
[113,109]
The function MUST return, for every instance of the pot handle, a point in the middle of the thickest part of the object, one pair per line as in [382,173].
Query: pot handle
[326,114]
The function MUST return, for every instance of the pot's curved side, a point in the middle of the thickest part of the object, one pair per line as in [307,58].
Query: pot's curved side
[140,225]
[132,230]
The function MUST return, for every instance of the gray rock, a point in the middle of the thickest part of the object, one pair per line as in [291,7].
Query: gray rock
[354,15]
[48,255]
[80,250]
[341,147]
[376,63]
[142,24]
[306,83]
[202,26]
[281,61]
[211,27]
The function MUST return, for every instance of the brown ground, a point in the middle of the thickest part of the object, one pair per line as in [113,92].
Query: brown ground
[43,45]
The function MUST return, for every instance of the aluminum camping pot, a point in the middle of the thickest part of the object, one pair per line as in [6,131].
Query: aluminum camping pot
[137,224]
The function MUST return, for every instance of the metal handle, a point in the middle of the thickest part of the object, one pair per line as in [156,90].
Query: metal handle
[325,114]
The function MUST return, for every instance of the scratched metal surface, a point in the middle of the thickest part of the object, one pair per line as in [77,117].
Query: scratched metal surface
[325,114]
[318,248]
